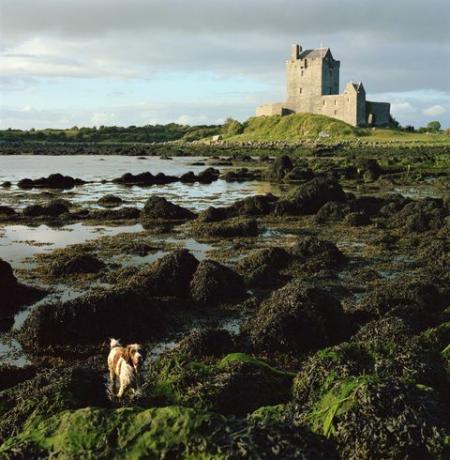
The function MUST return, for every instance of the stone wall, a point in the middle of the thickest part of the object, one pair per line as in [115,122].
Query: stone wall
[378,113]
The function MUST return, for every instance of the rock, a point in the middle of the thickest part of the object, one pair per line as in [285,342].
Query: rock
[212,214]
[8,281]
[214,284]
[206,343]
[169,276]
[297,319]
[52,209]
[311,196]
[52,181]
[10,376]
[241,175]
[357,219]
[320,254]
[188,178]
[280,167]
[124,213]
[208,176]
[227,229]
[145,179]
[332,211]
[6,184]
[299,174]
[128,313]
[110,201]
[157,207]
[258,205]
[75,265]
[7,211]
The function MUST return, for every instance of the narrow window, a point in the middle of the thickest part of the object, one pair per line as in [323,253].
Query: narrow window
[324,102]
[330,90]
[300,91]
[335,112]
[302,73]
[335,102]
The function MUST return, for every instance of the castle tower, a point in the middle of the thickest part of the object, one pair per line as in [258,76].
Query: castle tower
[311,73]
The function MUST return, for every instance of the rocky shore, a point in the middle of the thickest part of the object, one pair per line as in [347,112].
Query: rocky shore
[314,323]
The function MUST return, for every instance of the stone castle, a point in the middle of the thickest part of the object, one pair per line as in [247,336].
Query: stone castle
[313,87]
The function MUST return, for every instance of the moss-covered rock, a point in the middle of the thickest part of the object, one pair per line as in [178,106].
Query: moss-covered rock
[214,284]
[157,207]
[227,229]
[297,319]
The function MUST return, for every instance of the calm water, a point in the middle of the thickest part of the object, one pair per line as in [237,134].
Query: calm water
[97,169]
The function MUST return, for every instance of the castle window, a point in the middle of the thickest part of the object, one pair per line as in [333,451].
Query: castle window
[302,73]
[300,91]
[306,63]
[335,112]
[324,102]
[335,102]
[330,91]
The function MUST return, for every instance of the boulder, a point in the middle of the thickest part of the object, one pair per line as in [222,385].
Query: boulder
[205,343]
[157,207]
[229,228]
[320,253]
[52,181]
[110,201]
[280,167]
[215,284]
[297,319]
[75,265]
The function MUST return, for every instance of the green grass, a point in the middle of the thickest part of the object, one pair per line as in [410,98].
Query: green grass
[301,126]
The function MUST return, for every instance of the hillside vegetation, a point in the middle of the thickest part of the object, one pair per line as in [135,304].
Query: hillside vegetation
[301,126]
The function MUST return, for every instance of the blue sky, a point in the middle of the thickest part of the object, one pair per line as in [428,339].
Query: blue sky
[85,63]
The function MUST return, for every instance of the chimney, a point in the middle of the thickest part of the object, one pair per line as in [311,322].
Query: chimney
[295,51]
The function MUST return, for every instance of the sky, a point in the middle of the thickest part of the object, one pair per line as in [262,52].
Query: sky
[137,62]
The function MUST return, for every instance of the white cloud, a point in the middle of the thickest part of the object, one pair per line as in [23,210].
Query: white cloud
[434,110]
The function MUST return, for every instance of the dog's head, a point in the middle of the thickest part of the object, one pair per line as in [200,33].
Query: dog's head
[134,355]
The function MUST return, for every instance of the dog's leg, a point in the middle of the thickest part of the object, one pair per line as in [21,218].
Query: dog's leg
[121,391]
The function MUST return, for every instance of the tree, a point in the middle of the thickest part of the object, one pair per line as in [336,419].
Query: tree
[433,127]
[232,127]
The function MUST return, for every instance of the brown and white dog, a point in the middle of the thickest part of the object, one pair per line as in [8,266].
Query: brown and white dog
[124,363]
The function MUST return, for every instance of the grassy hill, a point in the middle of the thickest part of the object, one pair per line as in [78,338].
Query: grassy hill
[300,126]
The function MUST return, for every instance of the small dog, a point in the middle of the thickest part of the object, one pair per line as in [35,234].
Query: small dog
[124,363]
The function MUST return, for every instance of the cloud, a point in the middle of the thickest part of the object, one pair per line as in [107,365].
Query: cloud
[434,110]
[393,47]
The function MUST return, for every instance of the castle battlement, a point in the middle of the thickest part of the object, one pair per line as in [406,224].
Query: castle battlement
[313,87]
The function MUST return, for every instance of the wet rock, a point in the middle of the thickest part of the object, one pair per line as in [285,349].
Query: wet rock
[214,284]
[332,212]
[280,167]
[297,319]
[77,264]
[169,276]
[188,178]
[208,176]
[12,375]
[409,299]
[110,200]
[124,213]
[241,175]
[206,343]
[311,196]
[145,179]
[213,214]
[52,209]
[227,229]
[57,181]
[13,294]
[6,184]
[390,419]
[368,169]
[157,207]
[357,219]
[128,313]
[262,267]
[319,254]
[299,174]
[7,211]
[258,205]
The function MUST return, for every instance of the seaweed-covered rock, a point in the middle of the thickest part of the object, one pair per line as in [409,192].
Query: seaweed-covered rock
[92,318]
[387,419]
[7,211]
[262,267]
[205,343]
[413,300]
[145,179]
[52,181]
[212,214]
[169,276]
[227,229]
[280,167]
[208,176]
[52,209]
[332,211]
[258,205]
[241,175]
[77,264]
[214,283]
[317,254]
[12,375]
[299,174]
[110,201]
[357,219]
[123,213]
[311,196]
[297,319]
[157,207]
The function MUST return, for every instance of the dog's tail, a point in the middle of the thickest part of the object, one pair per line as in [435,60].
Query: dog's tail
[114,343]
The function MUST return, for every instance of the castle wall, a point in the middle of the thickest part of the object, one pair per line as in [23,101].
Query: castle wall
[304,79]
[378,113]
[268,110]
